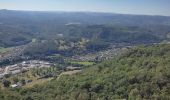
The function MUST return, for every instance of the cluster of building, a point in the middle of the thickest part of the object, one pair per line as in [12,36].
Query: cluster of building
[22,67]
[101,55]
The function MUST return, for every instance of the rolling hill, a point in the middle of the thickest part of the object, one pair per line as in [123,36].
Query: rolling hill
[141,73]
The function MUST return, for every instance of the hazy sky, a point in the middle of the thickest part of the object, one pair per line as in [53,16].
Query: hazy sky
[151,7]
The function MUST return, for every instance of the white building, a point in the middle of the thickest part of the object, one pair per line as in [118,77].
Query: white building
[14,85]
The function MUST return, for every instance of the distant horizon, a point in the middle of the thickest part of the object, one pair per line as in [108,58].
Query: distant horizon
[134,7]
[83,12]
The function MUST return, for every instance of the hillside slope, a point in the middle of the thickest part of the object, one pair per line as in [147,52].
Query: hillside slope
[21,27]
[141,73]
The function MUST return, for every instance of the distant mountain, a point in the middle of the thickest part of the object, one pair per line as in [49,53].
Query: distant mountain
[82,17]
[21,27]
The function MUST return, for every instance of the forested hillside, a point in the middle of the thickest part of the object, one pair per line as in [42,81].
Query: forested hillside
[21,27]
[141,73]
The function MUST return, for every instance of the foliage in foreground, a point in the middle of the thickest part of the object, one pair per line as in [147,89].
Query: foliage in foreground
[142,73]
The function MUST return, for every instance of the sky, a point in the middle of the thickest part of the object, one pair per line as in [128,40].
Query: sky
[146,7]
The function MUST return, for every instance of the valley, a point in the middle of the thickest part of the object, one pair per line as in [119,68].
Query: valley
[83,56]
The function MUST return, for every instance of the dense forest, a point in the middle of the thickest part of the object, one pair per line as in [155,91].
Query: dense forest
[141,73]
[22,27]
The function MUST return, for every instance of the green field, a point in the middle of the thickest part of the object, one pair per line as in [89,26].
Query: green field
[84,63]
[3,50]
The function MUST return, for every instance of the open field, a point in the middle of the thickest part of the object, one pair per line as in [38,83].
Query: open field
[84,63]
[3,50]
[37,82]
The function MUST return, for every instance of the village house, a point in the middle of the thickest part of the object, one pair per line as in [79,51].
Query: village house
[23,67]
[14,85]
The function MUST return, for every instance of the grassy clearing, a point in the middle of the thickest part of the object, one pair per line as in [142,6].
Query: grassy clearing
[84,63]
[37,82]
[3,50]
